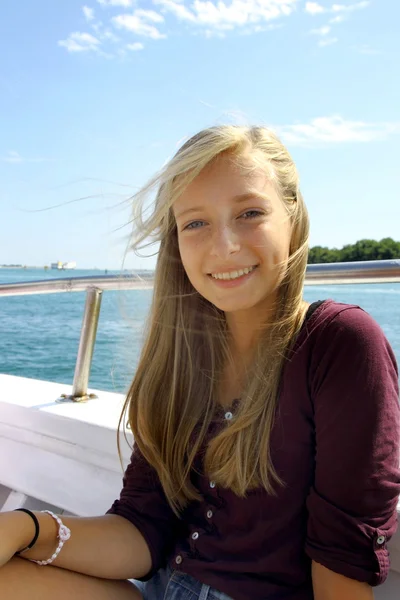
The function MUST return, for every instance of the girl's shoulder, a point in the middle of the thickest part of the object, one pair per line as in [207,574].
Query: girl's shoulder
[331,324]
[332,315]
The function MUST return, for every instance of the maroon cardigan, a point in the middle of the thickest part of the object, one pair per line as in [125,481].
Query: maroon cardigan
[335,443]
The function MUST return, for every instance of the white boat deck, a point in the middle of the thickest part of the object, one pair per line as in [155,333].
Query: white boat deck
[64,455]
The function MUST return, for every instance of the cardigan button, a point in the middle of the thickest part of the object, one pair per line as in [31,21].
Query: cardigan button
[381,540]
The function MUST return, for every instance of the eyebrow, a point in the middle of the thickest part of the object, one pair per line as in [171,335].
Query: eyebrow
[239,198]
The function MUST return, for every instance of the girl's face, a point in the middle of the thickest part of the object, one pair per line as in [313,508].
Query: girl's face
[233,234]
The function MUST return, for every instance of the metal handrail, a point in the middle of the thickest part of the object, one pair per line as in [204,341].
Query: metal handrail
[374,271]
[75,284]
[87,341]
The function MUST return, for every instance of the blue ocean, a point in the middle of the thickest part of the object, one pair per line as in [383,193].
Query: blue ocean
[40,334]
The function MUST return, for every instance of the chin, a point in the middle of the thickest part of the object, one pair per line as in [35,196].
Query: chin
[233,307]
[242,304]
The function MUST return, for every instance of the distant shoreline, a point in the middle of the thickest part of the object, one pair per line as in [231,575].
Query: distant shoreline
[143,272]
[23,267]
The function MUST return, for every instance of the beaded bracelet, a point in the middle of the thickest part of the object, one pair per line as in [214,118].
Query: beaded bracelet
[64,533]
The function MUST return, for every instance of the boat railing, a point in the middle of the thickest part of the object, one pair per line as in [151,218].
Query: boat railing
[369,272]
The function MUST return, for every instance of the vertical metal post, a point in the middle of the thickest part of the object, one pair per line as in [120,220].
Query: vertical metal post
[86,345]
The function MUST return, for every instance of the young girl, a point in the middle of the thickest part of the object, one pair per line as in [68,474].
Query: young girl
[266,456]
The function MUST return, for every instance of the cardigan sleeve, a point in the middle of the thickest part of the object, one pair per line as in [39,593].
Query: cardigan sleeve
[352,502]
[142,502]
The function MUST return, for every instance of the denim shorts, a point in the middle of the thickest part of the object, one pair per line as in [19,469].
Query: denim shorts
[167,584]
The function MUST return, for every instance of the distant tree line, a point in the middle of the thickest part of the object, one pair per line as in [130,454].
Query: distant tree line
[361,250]
[12,266]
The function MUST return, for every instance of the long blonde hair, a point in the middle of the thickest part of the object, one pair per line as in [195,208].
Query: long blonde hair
[172,399]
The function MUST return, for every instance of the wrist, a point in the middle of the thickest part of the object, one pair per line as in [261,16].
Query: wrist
[53,534]
[20,526]
[35,521]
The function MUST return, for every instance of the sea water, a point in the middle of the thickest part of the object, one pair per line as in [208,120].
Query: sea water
[39,334]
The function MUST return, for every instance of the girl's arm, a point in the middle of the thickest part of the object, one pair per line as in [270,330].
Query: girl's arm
[108,546]
[131,541]
[352,500]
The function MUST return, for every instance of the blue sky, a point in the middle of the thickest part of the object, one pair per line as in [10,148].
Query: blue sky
[95,97]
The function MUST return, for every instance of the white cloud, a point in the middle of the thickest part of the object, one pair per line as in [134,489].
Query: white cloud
[313,8]
[206,17]
[97,27]
[338,19]
[14,157]
[321,31]
[260,28]
[150,15]
[336,130]
[177,9]
[88,12]
[125,3]
[339,10]
[224,16]
[135,22]
[80,42]
[109,35]
[135,47]
[350,7]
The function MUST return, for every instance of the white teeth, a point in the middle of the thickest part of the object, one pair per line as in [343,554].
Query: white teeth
[232,274]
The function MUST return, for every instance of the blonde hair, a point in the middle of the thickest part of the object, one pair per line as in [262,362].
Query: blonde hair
[172,399]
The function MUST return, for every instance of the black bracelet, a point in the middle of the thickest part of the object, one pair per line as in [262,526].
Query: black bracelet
[35,537]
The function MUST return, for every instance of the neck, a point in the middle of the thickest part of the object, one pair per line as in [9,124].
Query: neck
[243,336]
[245,328]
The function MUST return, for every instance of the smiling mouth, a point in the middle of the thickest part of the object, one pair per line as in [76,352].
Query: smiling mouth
[233,274]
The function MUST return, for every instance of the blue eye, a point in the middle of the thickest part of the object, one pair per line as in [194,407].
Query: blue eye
[252,214]
[194,225]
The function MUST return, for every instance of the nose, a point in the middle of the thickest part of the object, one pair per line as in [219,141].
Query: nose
[225,242]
